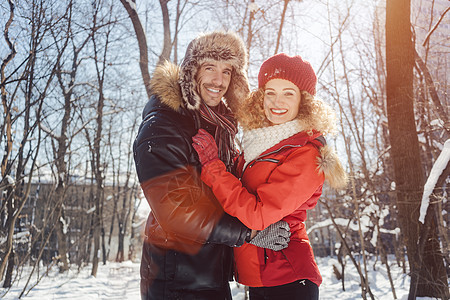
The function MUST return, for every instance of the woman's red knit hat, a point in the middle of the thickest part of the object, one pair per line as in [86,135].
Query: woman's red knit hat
[292,68]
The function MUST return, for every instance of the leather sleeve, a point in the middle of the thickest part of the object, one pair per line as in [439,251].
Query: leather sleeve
[225,232]
[184,207]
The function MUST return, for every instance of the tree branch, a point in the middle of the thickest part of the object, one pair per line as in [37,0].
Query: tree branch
[431,89]
[167,44]
[130,6]
[435,26]
[283,14]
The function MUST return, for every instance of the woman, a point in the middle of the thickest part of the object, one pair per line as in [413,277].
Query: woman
[281,172]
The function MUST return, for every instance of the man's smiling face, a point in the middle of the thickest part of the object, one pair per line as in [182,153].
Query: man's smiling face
[213,79]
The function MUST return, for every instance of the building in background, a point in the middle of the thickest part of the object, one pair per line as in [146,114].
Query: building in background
[35,233]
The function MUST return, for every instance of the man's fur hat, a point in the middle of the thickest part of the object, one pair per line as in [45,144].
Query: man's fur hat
[220,46]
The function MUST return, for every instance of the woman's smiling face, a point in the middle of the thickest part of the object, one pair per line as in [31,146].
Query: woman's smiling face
[281,101]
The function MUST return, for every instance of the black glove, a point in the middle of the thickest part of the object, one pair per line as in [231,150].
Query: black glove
[274,237]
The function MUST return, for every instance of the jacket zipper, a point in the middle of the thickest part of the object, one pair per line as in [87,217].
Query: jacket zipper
[259,158]
[265,256]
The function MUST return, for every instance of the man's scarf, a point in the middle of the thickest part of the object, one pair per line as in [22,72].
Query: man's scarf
[226,131]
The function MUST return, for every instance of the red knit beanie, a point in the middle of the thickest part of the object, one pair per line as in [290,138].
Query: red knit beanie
[292,68]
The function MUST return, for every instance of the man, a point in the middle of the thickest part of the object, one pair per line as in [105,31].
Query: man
[187,254]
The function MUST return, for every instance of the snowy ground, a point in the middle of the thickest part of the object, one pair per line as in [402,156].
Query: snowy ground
[121,281]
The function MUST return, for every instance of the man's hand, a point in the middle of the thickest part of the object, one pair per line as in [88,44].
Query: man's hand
[205,146]
[274,237]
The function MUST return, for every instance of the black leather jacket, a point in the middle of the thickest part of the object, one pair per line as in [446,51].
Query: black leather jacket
[189,237]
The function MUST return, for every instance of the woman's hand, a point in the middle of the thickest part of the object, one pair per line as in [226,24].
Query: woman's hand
[205,146]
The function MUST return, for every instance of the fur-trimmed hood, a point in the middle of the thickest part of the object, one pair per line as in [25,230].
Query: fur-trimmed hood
[164,84]
[328,162]
[177,85]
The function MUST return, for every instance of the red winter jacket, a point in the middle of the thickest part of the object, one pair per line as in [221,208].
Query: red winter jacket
[282,183]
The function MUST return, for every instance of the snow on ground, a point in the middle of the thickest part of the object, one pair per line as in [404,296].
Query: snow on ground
[121,281]
[113,281]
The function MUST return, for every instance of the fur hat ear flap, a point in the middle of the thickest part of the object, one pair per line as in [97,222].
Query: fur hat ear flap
[238,90]
[188,82]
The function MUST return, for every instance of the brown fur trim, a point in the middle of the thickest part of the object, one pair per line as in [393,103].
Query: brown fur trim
[329,164]
[164,83]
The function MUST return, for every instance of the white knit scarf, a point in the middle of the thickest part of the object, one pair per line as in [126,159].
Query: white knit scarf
[256,141]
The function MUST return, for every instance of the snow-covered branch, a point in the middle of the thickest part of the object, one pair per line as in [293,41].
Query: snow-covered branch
[439,166]
[49,131]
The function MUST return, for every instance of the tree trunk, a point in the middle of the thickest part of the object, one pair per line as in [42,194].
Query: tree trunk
[122,222]
[8,277]
[341,259]
[402,128]
[6,130]
[96,237]
[61,231]
[98,174]
[120,249]
[405,150]
[97,164]
[8,230]
[6,107]
[97,221]
[103,245]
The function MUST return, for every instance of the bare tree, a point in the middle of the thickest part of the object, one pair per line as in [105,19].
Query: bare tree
[101,64]
[126,196]
[61,145]
[405,149]
[24,162]
[6,125]
[43,101]
[365,286]
[70,62]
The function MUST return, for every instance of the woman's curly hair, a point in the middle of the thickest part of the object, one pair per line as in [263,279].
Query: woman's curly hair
[313,114]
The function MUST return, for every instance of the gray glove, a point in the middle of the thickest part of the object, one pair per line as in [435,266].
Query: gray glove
[274,237]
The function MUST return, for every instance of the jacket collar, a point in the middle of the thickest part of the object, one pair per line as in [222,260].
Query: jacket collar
[328,162]
[261,140]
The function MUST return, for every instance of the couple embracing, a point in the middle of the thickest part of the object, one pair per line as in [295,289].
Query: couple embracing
[217,211]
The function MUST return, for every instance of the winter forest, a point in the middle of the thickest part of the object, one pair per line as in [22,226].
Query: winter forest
[74,79]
